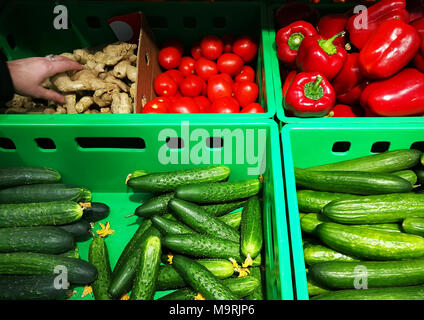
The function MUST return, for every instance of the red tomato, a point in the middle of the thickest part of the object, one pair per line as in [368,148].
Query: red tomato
[246,74]
[212,47]
[157,105]
[184,105]
[176,43]
[253,108]
[191,86]
[228,41]
[205,68]
[176,75]
[230,63]
[246,48]
[169,58]
[219,87]
[225,105]
[246,92]
[164,85]
[203,103]
[226,77]
[196,51]
[187,66]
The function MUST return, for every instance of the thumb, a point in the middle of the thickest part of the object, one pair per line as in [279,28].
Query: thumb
[47,94]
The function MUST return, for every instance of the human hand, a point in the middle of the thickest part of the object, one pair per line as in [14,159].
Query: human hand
[29,74]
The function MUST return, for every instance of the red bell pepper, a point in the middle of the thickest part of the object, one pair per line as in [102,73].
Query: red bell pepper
[419,26]
[288,40]
[309,95]
[345,111]
[353,96]
[415,9]
[361,26]
[288,81]
[331,24]
[419,62]
[390,48]
[317,54]
[399,96]
[293,11]
[350,75]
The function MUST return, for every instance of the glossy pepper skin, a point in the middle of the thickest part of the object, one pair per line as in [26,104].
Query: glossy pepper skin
[289,39]
[309,95]
[288,81]
[419,58]
[345,111]
[353,96]
[317,54]
[349,76]
[399,96]
[332,24]
[361,29]
[390,48]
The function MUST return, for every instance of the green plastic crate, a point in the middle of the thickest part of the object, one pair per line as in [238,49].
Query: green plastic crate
[270,49]
[307,145]
[26,29]
[102,165]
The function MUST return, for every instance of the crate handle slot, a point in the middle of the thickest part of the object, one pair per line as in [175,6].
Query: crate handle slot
[380,147]
[7,144]
[341,146]
[175,143]
[418,145]
[214,142]
[45,143]
[110,143]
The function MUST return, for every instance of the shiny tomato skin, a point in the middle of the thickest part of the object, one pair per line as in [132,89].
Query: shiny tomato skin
[157,105]
[225,105]
[169,58]
[212,47]
[205,68]
[191,86]
[176,75]
[230,63]
[247,74]
[246,92]
[246,47]
[203,103]
[184,105]
[196,51]
[218,87]
[164,85]
[253,108]
[186,66]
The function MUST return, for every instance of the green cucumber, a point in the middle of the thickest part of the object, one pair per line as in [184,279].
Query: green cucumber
[80,230]
[168,226]
[219,192]
[376,209]
[203,246]
[310,221]
[148,269]
[157,205]
[74,253]
[40,193]
[313,201]
[315,289]
[259,292]
[251,229]
[194,217]
[136,173]
[96,211]
[180,294]
[393,227]
[124,273]
[408,175]
[221,209]
[98,256]
[162,182]
[31,287]
[86,195]
[36,214]
[76,271]
[351,182]
[169,278]
[314,254]
[372,274]
[232,219]
[413,226]
[201,279]
[18,176]
[365,243]
[43,239]
[389,161]
[419,171]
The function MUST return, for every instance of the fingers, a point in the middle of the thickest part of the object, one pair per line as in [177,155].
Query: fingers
[44,93]
[62,64]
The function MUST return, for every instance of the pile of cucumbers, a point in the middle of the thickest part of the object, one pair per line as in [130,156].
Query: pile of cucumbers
[192,240]
[41,221]
[362,222]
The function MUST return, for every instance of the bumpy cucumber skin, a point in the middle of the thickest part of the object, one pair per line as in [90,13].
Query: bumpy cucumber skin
[384,162]
[203,246]
[314,254]
[312,201]
[180,294]
[155,206]
[259,292]
[219,192]
[169,278]
[30,287]
[148,269]
[352,182]
[43,239]
[193,216]
[342,274]
[401,293]
[95,212]
[408,175]
[232,219]
[168,226]
[376,209]
[45,192]
[413,226]
[221,209]
[168,181]
[78,271]
[17,176]
[201,279]
[365,243]
[251,228]
[98,256]
[37,214]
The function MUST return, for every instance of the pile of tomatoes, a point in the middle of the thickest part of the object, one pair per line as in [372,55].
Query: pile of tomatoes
[217,77]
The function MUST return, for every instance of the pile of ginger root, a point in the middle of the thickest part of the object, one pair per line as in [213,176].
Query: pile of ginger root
[106,84]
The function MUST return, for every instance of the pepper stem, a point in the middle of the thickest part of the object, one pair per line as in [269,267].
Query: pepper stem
[314,90]
[295,40]
[328,45]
